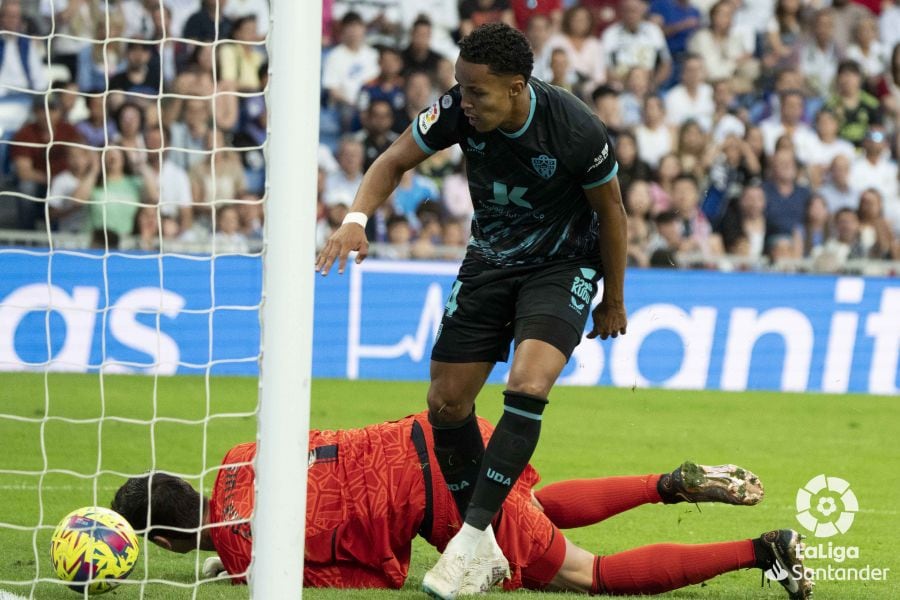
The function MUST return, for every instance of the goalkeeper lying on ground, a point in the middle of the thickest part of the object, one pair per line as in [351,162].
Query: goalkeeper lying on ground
[372,490]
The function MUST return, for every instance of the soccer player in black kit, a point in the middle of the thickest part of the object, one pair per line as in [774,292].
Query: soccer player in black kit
[549,223]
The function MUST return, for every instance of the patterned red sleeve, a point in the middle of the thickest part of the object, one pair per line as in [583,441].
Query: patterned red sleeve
[231,507]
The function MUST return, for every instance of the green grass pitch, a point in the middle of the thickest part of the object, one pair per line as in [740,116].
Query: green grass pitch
[785,438]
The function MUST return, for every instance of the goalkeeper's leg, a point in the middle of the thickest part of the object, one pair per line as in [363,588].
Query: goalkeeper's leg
[581,502]
[651,569]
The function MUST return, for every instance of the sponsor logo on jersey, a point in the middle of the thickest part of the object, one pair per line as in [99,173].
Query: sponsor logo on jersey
[504,196]
[429,118]
[544,165]
[600,158]
[446,101]
[476,148]
[582,289]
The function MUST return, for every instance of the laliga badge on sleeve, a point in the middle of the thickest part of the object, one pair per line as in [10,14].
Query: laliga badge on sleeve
[429,118]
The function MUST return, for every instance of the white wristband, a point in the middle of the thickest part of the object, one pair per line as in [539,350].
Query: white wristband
[356,217]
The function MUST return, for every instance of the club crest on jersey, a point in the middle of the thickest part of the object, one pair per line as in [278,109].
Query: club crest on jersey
[544,165]
[429,118]
[446,101]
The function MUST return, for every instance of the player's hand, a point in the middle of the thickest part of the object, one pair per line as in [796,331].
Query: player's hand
[610,320]
[348,238]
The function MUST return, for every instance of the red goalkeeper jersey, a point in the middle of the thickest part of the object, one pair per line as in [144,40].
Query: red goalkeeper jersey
[370,491]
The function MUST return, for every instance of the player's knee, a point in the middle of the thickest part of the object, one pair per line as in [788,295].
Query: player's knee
[529,386]
[446,408]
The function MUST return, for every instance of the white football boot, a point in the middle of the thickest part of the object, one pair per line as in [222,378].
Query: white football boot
[487,568]
[445,578]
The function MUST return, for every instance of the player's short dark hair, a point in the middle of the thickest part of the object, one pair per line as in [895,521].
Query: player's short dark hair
[173,503]
[421,20]
[504,50]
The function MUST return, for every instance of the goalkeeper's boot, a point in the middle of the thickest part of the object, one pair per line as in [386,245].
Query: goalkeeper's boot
[487,568]
[729,484]
[782,560]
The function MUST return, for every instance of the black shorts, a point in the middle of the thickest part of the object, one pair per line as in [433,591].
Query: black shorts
[490,306]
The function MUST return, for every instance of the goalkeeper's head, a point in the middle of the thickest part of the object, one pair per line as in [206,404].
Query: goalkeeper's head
[177,512]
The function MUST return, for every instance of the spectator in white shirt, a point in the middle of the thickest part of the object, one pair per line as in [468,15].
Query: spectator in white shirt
[837,191]
[875,231]
[350,64]
[381,18]
[175,195]
[637,86]
[755,14]
[229,238]
[65,212]
[722,49]
[585,51]
[819,55]
[789,122]
[827,146]
[341,186]
[870,53]
[876,169]
[724,121]
[693,97]
[538,33]
[636,42]
[847,15]
[444,17]
[74,19]
[655,138]
[889,25]
[21,58]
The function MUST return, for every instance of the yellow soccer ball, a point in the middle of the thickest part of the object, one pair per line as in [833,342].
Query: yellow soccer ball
[93,547]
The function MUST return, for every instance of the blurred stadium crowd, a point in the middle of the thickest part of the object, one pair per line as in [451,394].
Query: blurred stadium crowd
[749,133]
[182,121]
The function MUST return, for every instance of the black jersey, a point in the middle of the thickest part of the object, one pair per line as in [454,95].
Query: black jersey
[527,186]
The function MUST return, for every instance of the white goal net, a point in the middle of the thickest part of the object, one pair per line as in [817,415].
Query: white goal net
[133,182]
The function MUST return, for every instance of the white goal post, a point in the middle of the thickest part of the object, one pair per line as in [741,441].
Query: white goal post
[81,305]
[279,517]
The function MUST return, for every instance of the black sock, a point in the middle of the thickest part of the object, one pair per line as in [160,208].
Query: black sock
[459,448]
[507,453]
[762,553]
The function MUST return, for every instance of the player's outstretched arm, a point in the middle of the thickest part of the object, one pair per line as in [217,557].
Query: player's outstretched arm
[379,181]
[610,318]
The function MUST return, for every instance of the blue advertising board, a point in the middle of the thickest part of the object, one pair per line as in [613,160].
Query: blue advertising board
[687,329]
